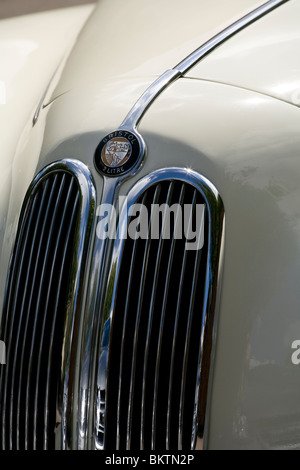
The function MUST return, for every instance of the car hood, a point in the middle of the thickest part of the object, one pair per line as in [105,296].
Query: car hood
[263,57]
[123,40]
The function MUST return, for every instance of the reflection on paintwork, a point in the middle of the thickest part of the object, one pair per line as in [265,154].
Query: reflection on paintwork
[14,55]
[262,57]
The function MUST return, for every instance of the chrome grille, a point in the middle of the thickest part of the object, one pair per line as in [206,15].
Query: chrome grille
[40,285]
[155,316]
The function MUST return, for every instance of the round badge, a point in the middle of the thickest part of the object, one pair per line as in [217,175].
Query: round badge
[117,153]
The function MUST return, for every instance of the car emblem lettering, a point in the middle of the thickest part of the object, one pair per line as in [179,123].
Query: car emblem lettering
[118,153]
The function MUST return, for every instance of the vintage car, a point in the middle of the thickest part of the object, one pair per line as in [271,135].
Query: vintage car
[116,336]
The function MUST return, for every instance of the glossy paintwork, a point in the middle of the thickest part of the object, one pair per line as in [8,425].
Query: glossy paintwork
[262,57]
[30,53]
[138,38]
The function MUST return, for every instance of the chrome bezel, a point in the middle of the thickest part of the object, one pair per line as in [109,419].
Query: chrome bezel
[216,220]
[139,149]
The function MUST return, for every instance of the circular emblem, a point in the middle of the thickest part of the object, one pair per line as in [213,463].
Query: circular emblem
[117,153]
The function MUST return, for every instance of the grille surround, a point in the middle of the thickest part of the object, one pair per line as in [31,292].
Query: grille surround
[68,397]
[61,403]
[215,217]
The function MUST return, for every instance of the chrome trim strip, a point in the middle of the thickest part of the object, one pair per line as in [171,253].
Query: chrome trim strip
[92,323]
[214,42]
[170,76]
[216,220]
[40,105]
[136,113]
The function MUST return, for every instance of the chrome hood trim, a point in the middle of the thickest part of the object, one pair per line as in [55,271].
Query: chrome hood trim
[135,115]
[178,32]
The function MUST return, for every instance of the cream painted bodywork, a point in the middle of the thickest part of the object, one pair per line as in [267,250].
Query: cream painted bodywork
[262,57]
[33,49]
[127,39]
[246,142]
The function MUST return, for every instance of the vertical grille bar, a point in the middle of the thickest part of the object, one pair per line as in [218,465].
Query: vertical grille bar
[60,202]
[137,326]
[188,341]
[151,311]
[174,338]
[9,326]
[56,310]
[124,330]
[15,376]
[156,336]
[43,329]
[41,393]
[36,288]
[162,322]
